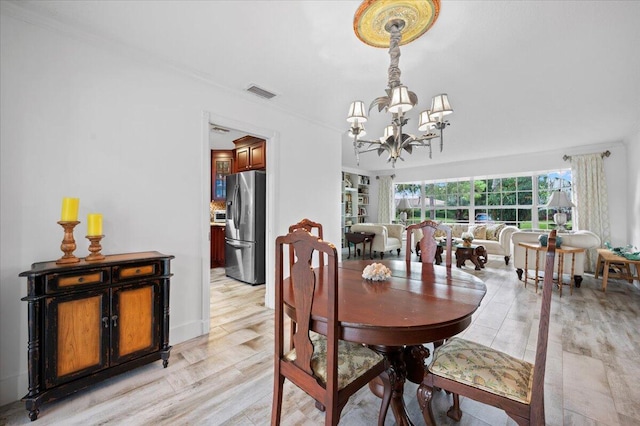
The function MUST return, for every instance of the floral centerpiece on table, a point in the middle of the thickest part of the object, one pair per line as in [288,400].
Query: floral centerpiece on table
[467,237]
[376,272]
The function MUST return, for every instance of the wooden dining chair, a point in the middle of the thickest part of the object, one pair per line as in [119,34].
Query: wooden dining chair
[427,245]
[328,369]
[490,376]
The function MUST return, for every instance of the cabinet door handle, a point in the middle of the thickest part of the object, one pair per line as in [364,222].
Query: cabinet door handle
[114,320]
[105,321]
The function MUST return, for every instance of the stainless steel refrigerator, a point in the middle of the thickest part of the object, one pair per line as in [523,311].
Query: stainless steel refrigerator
[245,230]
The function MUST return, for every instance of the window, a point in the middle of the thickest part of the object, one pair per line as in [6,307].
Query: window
[447,201]
[515,200]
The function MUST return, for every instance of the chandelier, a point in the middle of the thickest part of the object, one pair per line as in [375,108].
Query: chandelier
[383,23]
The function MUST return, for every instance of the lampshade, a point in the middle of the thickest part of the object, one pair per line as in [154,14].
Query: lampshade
[360,130]
[559,199]
[440,107]
[357,112]
[400,101]
[388,131]
[404,204]
[425,122]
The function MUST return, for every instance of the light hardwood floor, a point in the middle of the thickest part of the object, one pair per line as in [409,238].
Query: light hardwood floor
[225,377]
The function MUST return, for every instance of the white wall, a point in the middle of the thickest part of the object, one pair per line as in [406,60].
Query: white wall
[127,138]
[633,193]
[616,169]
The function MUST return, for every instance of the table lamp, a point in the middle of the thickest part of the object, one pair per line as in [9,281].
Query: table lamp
[559,201]
[403,206]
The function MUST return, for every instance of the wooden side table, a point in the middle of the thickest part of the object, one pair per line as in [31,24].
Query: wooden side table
[560,252]
[606,258]
[356,238]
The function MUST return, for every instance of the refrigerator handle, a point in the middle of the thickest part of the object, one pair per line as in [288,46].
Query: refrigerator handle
[238,244]
[236,206]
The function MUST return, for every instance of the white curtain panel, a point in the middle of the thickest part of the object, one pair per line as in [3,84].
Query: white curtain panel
[385,199]
[590,197]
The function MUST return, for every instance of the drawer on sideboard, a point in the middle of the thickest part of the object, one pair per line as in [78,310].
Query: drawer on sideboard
[136,271]
[77,280]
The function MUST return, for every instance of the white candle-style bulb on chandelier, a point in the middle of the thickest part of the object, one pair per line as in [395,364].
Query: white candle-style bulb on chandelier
[399,98]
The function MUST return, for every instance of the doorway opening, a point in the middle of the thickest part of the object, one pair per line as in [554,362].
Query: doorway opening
[219,134]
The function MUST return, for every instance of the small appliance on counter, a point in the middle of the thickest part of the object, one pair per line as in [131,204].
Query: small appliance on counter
[245,227]
[219,216]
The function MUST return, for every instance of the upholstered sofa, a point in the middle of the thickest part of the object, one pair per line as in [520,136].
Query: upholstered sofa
[387,237]
[580,239]
[496,237]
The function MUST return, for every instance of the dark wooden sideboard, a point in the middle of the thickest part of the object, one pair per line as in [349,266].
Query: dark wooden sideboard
[89,321]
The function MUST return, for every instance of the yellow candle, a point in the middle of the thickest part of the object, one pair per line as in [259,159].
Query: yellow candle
[94,224]
[69,209]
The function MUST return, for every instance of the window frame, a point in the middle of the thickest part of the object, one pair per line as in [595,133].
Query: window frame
[457,200]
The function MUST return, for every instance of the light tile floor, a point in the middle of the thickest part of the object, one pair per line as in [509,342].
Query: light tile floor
[225,377]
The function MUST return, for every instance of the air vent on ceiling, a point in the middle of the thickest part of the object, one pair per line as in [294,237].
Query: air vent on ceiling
[259,91]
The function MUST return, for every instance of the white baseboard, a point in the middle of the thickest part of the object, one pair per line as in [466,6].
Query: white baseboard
[13,388]
[187,331]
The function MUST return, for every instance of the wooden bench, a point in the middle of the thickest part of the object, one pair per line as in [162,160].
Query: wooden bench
[607,259]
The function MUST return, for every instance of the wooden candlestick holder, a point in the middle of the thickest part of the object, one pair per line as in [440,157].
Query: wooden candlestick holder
[68,243]
[95,248]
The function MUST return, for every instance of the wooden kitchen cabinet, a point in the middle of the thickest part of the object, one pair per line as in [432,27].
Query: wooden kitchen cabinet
[221,166]
[217,246]
[89,321]
[250,154]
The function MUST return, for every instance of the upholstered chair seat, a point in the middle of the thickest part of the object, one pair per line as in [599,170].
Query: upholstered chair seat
[353,359]
[484,368]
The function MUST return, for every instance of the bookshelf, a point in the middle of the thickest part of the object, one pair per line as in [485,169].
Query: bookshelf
[355,200]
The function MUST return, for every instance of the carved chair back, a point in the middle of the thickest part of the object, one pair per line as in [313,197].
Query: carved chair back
[308,226]
[428,244]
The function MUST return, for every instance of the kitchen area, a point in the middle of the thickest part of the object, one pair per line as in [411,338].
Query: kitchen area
[238,203]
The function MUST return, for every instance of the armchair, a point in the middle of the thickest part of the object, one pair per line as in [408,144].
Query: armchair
[387,237]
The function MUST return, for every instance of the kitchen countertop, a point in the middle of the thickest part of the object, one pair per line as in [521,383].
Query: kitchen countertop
[217,224]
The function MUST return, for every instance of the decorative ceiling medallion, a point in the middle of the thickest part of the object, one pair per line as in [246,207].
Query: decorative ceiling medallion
[373,15]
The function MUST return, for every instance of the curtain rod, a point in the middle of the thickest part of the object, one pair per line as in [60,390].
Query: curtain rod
[602,155]
[392,176]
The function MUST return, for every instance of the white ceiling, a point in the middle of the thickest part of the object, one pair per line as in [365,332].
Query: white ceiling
[522,76]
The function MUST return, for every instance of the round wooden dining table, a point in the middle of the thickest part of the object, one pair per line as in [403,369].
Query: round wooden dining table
[419,303]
